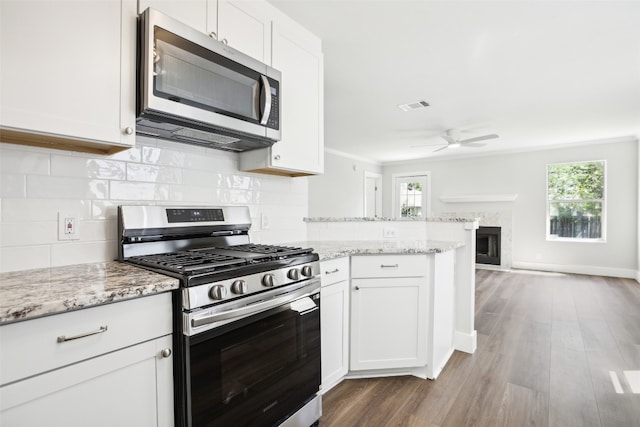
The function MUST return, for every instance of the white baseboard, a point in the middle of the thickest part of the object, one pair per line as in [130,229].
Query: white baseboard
[465,342]
[578,269]
[638,276]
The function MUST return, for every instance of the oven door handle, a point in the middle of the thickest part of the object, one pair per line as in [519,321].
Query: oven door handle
[242,312]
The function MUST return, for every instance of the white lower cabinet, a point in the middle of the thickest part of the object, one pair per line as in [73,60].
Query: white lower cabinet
[101,379]
[389,303]
[334,318]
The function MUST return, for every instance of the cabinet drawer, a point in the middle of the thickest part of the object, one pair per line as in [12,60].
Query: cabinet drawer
[32,347]
[388,266]
[334,271]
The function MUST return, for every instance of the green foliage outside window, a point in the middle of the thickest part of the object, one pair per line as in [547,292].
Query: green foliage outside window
[576,199]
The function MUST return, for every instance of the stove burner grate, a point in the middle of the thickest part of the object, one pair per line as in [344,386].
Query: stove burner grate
[188,262]
[278,251]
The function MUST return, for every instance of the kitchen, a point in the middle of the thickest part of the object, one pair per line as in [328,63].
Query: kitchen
[40,183]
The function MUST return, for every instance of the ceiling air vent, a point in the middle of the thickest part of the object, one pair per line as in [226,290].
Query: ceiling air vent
[413,105]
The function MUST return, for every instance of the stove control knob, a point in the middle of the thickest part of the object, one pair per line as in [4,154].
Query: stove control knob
[293,274]
[268,280]
[217,292]
[239,287]
[307,271]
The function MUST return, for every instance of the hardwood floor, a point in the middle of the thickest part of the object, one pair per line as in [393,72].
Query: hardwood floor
[550,347]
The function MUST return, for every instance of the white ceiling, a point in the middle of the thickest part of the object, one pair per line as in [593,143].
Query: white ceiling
[535,72]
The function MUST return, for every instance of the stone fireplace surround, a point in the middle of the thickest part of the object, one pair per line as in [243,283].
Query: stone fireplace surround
[501,218]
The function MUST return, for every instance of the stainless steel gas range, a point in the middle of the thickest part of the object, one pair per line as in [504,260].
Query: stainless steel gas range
[246,319]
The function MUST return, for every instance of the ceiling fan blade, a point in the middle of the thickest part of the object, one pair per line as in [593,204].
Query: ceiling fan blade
[479,138]
[448,138]
[473,144]
[440,149]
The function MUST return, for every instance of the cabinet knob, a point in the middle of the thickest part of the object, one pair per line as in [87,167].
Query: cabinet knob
[357,288]
[128,130]
[165,352]
[213,35]
[276,157]
[225,41]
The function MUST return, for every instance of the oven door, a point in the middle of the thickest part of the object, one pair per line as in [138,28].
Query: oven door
[259,369]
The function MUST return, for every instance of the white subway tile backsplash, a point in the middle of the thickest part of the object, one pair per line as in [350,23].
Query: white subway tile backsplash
[32,233]
[78,253]
[140,191]
[159,156]
[28,210]
[13,185]
[37,183]
[25,257]
[157,174]
[14,159]
[87,168]
[40,186]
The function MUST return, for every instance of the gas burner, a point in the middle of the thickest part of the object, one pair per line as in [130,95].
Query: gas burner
[276,251]
[189,262]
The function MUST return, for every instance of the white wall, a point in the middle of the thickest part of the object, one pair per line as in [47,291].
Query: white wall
[524,174]
[340,191]
[37,183]
[638,246]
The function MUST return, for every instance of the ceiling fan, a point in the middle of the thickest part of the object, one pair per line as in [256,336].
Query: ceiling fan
[453,140]
[452,136]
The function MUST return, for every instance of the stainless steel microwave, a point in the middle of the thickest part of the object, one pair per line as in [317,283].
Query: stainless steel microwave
[195,89]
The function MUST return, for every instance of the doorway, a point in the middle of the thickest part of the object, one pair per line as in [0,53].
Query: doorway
[372,194]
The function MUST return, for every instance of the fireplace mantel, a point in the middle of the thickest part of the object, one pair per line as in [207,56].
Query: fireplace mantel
[479,198]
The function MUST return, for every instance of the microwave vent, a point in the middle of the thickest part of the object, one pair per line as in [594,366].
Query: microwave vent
[205,136]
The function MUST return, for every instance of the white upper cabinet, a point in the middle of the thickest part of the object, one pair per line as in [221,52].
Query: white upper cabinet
[198,14]
[246,26]
[297,54]
[243,25]
[67,76]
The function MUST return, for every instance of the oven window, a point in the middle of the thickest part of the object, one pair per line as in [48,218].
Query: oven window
[256,373]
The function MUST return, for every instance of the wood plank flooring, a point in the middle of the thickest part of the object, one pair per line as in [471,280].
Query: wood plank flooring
[548,344]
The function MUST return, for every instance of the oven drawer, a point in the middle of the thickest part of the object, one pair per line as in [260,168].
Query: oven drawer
[367,266]
[35,346]
[334,271]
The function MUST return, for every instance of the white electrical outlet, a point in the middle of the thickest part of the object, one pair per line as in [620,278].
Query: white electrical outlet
[264,221]
[68,226]
[389,233]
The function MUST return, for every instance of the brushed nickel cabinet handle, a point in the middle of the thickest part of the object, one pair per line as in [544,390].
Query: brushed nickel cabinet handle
[332,271]
[63,338]
[165,352]
[389,266]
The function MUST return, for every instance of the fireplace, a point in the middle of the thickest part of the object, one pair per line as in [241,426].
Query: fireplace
[488,245]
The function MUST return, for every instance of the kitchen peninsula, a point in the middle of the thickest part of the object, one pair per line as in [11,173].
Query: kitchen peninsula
[401,289]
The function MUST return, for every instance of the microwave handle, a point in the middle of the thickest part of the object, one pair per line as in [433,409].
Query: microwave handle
[266,106]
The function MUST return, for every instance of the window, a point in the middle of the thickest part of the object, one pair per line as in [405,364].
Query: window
[576,201]
[411,195]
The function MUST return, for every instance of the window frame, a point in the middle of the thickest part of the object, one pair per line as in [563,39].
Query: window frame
[603,234]
[426,201]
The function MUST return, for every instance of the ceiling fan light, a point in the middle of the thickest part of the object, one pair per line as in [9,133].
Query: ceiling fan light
[454,145]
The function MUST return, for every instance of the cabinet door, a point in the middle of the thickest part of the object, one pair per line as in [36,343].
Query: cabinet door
[334,317]
[297,54]
[388,323]
[68,70]
[302,144]
[129,387]
[245,26]
[194,13]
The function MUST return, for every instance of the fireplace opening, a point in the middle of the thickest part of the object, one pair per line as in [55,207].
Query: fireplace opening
[488,245]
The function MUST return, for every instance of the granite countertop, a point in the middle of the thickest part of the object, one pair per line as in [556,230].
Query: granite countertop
[33,293]
[382,219]
[331,249]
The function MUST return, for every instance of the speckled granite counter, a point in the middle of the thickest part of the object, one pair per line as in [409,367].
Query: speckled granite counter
[331,249]
[34,293]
